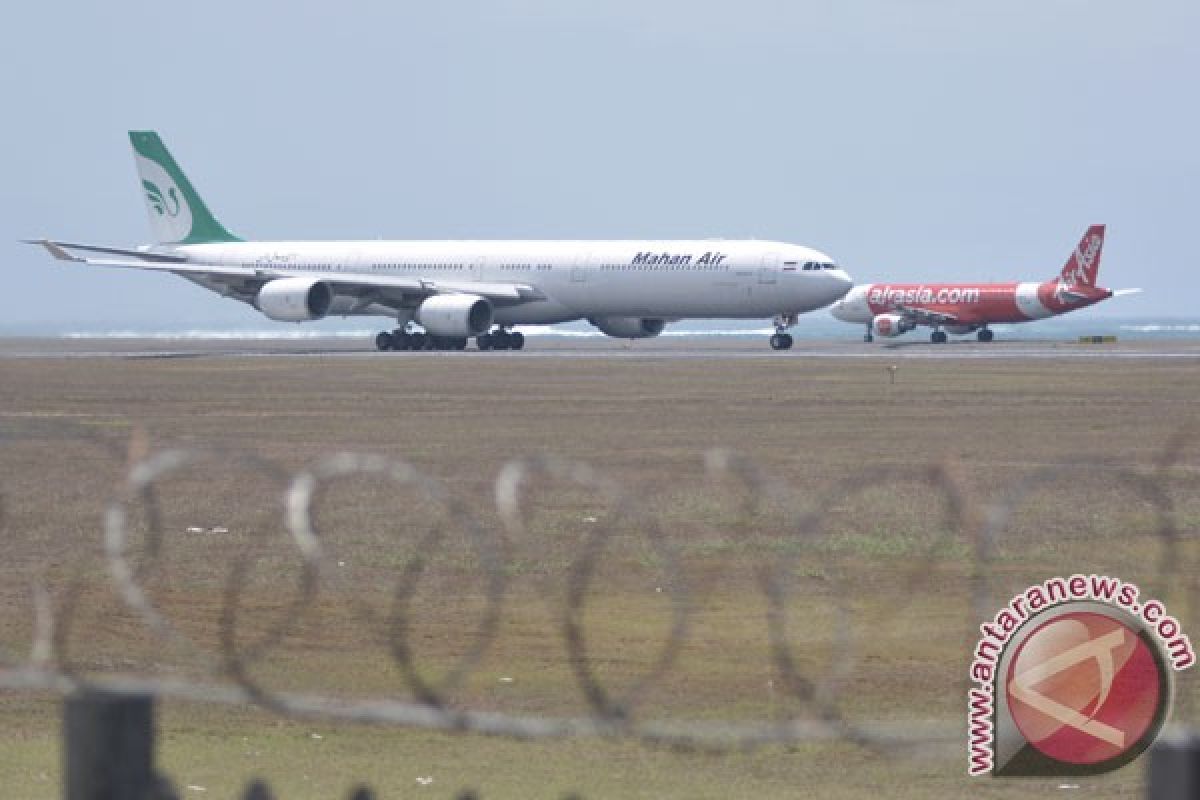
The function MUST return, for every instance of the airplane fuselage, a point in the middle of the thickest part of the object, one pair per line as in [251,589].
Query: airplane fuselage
[576,279]
[973,305]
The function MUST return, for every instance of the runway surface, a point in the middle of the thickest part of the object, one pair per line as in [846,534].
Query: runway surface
[550,347]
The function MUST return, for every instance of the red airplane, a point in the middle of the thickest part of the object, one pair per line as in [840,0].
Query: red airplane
[890,309]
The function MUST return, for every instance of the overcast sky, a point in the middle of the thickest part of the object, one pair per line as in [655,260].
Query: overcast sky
[918,140]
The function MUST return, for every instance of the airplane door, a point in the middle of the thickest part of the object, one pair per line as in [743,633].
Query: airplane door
[579,273]
[477,267]
[769,271]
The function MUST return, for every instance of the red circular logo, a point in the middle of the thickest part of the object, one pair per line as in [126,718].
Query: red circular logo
[1085,688]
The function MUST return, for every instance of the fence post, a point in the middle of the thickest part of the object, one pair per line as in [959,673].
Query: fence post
[109,747]
[1175,767]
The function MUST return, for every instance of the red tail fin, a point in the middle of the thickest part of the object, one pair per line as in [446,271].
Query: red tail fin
[1084,263]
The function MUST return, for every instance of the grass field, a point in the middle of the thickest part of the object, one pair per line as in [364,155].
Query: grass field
[888,553]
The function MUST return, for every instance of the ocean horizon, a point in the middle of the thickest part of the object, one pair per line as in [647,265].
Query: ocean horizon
[815,328]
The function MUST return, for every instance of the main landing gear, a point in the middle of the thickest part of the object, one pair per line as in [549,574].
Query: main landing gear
[939,337]
[400,339]
[500,339]
[781,339]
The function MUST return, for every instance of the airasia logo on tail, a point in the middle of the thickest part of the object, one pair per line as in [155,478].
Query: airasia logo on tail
[1087,256]
[1081,268]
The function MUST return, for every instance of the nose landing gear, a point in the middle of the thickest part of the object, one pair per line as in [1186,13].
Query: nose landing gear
[781,339]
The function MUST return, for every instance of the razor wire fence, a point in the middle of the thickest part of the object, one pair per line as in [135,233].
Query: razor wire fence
[787,539]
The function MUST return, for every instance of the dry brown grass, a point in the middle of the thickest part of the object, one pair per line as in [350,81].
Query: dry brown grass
[810,423]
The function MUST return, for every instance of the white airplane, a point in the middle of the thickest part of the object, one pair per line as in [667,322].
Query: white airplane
[455,290]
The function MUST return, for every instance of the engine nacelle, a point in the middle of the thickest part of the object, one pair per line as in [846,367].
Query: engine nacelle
[455,315]
[294,299]
[629,327]
[889,325]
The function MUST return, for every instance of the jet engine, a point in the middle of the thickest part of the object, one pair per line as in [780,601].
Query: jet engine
[629,327]
[889,325]
[294,299]
[455,315]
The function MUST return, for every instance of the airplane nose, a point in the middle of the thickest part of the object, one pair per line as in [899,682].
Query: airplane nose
[840,311]
[844,280]
[839,284]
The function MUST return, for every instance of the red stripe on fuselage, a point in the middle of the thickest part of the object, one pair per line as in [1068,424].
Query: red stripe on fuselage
[967,302]
[978,303]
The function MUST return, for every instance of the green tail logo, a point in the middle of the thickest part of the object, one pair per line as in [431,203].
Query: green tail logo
[177,214]
[161,204]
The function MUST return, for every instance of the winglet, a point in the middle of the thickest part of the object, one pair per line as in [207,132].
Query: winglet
[53,247]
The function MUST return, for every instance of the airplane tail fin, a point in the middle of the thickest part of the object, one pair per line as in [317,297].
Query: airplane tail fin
[177,214]
[1084,263]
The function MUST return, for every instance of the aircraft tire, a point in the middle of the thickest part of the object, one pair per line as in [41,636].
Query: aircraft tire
[383,341]
[484,341]
[516,340]
[985,335]
[788,341]
[938,337]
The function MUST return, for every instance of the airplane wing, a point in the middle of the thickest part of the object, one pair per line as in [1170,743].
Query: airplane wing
[395,291]
[925,316]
